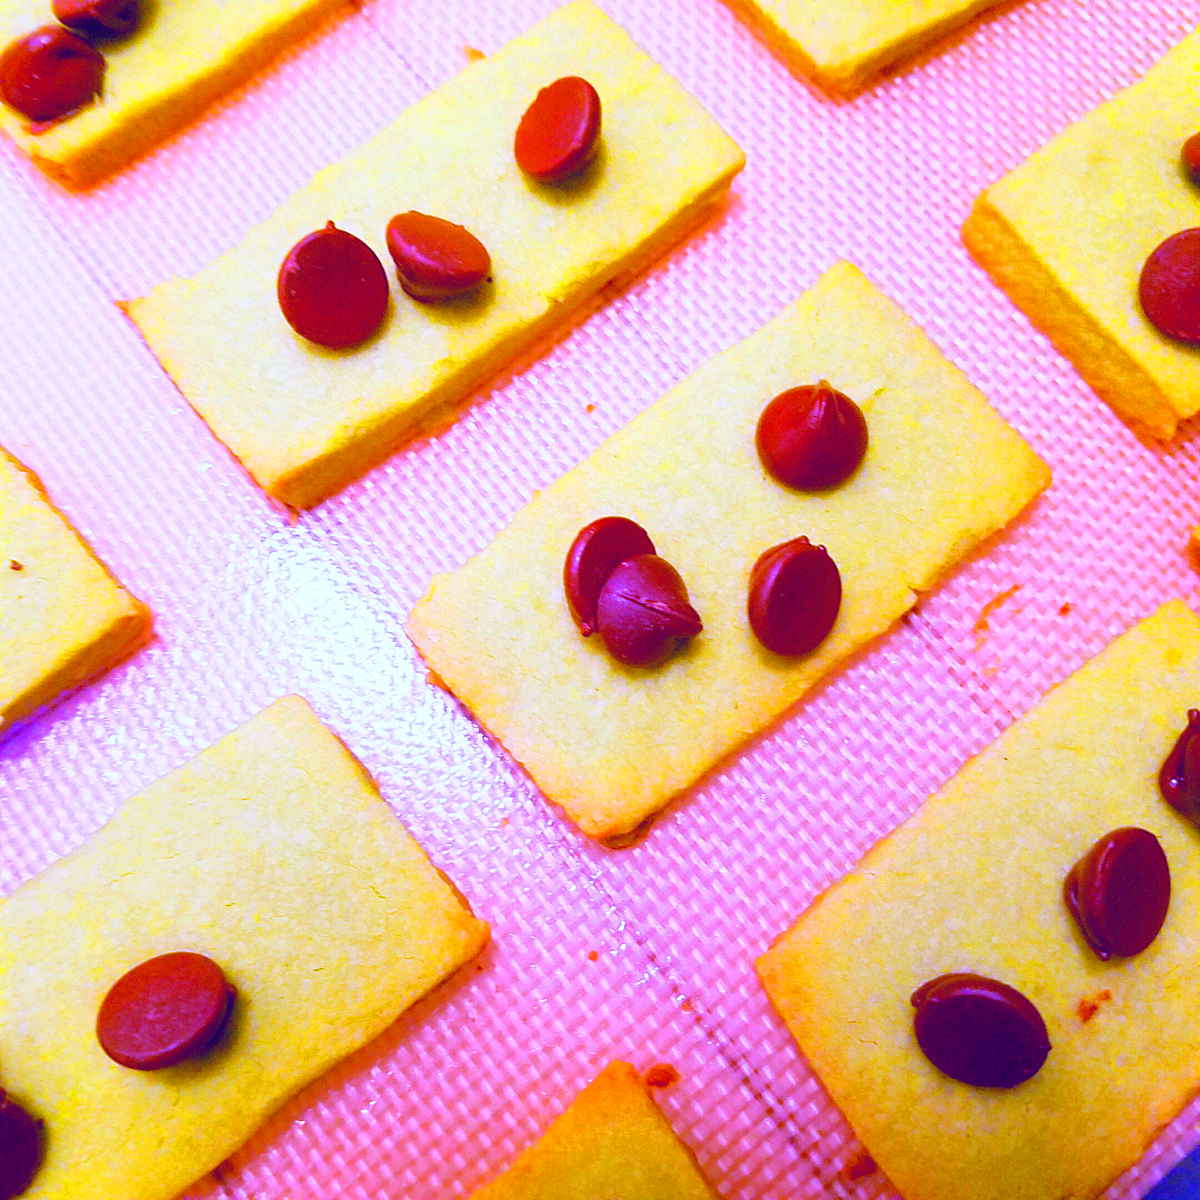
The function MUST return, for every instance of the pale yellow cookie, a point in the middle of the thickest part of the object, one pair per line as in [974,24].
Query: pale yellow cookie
[273,854]
[612,1143]
[184,56]
[305,421]
[974,883]
[63,617]
[844,44]
[611,744]
[1067,233]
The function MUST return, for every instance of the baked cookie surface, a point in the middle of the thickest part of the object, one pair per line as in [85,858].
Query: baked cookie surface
[63,617]
[611,1142]
[1067,233]
[273,854]
[974,883]
[612,745]
[182,58]
[844,44]
[305,421]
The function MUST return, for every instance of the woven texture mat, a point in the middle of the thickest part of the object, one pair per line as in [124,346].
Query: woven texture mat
[644,953]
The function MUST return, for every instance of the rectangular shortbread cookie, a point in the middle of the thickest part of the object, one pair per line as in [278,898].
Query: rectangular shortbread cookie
[974,882]
[612,745]
[63,617]
[305,421]
[611,1142]
[183,57]
[844,44]
[273,854]
[1066,235]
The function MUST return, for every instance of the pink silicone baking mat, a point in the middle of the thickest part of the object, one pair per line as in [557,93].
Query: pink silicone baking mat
[644,953]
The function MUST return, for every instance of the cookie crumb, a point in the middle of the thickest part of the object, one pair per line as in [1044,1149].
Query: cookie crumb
[13,565]
[983,621]
[1089,1006]
[663,1075]
[473,55]
[860,1166]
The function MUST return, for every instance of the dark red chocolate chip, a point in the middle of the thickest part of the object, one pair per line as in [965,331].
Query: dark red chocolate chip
[598,549]
[436,259]
[1190,157]
[1170,286]
[99,18]
[1119,892]
[22,1139]
[50,73]
[979,1031]
[812,437]
[643,612]
[557,135]
[165,1011]
[1179,779]
[332,288]
[795,595]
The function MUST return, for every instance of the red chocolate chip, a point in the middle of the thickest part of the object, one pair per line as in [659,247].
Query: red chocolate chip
[1170,287]
[50,73]
[979,1031]
[99,18]
[21,1148]
[598,549]
[795,595]
[1179,779]
[662,1075]
[436,259]
[812,437]
[165,1011]
[557,135]
[1190,157]
[1119,892]
[643,612]
[332,288]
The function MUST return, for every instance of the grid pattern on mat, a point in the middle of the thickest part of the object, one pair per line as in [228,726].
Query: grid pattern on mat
[644,953]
